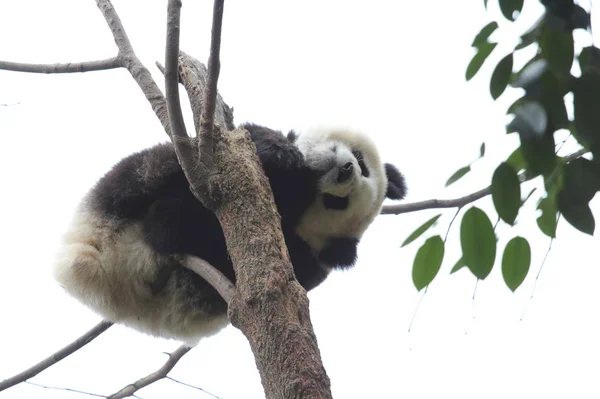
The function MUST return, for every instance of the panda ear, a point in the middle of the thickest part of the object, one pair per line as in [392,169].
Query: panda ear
[396,188]
[292,136]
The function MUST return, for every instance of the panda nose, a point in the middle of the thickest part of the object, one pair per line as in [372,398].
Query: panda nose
[345,172]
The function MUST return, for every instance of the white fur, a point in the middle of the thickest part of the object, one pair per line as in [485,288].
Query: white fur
[366,193]
[107,266]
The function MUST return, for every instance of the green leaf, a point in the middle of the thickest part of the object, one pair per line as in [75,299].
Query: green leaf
[516,160]
[531,73]
[419,231]
[427,262]
[581,181]
[539,155]
[485,3]
[558,49]
[515,262]
[506,192]
[501,76]
[509,7]
[530,120]
[478,242]
[484,50]
[547,221]
[483,35]
[458,175]
[579,215]
[586,103]
[458,265]
[482,150]
[532,34]
[589,58]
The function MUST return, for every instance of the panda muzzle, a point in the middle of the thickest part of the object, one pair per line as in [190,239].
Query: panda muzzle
[345,172]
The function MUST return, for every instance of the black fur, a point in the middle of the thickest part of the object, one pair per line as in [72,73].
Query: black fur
[339,252]
[333,202]
[396,188]
[150,187]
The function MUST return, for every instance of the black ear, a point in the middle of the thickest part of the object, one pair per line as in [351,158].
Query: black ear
[396,188]
[292,136]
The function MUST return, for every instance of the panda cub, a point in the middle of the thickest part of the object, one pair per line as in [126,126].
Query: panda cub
[117,258]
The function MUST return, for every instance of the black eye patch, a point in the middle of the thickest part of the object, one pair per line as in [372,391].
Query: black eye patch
[361,162]
[333,202]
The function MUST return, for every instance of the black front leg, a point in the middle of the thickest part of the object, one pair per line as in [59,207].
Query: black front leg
[339,252]
[307,269]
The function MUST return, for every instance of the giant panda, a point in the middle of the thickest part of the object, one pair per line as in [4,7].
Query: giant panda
[117,257]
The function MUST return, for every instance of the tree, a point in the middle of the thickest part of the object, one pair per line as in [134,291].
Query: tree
[429,244]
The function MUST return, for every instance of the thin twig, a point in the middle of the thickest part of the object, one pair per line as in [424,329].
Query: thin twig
[151,378]
[458,202]
[192,386]
[69,67]
[65,389]
[214,277]
[56,357]
[135,67]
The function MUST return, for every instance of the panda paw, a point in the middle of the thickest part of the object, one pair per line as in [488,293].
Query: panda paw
[340,252]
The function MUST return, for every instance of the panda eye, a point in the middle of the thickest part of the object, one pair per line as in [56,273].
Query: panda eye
[361,162]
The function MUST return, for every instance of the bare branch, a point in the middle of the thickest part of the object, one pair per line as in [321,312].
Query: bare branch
[151,378]
[186,153]
[214,277]
[193,75]
[207,123]
[130,61]
[56,357]
[435,203]
[69,67]
[214,66]
[458,202]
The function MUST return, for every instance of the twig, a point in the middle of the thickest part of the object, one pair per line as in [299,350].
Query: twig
[192,386]
[65,389]
[435,203]
[214,277]
[458,202]
[69,67]
[56,357]
[135,67]
[159,374]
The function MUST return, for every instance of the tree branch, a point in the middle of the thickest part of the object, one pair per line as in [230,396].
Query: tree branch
[462,201]
[56,357]
[214,277]
[193,75]
[186,153]
[214,66]
[130,61]
[151,378]
[69,67]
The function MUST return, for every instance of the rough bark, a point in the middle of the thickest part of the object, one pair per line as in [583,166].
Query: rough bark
[270,307]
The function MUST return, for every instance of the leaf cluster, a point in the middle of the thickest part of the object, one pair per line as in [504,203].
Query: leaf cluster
[537,116]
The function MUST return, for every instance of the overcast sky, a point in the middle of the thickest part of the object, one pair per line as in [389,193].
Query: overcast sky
[392,69]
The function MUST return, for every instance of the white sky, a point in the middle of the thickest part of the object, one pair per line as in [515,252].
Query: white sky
[393,69]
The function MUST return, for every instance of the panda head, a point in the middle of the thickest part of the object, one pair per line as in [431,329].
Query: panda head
[352,183]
